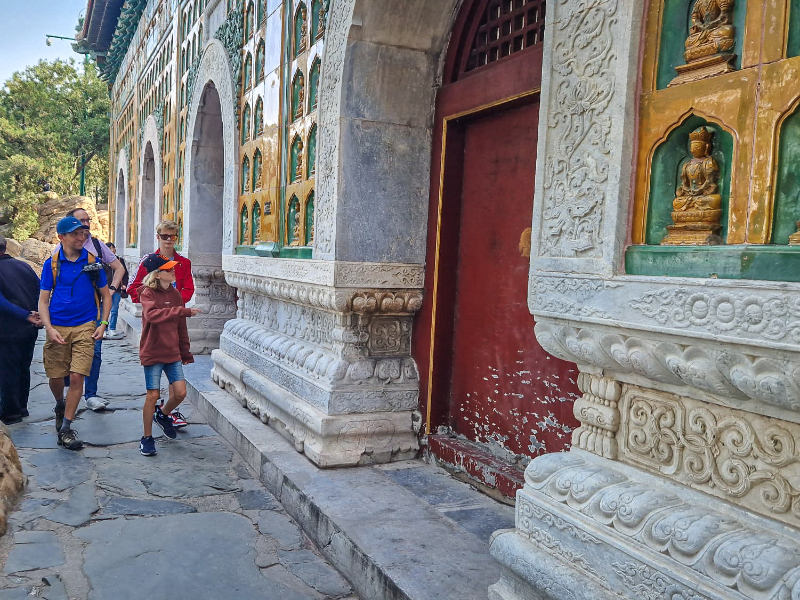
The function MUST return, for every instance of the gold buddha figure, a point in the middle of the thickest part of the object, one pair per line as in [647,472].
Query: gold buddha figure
[709,46]
[296,229]
[298,169]
[697,207]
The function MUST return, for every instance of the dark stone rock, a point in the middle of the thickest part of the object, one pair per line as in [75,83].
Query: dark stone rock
[49,588]
[80,507]
[281,528]
[106,428]
[34,550]
[200,555]
[32,509]
[315,572]
[60,469]
[149,508]
[182,469]
[34,435]
[257,500]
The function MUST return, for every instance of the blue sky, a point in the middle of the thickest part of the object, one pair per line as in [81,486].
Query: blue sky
[23,27]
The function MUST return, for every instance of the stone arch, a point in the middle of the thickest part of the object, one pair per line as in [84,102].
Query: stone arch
[211,115]
[151,172]
[392,57]
[210,174]
[121,202]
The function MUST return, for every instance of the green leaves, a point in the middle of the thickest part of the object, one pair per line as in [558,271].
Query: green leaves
[54,119]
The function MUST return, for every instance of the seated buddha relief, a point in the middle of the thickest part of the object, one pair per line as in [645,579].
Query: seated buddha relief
[709,47]
[697,207]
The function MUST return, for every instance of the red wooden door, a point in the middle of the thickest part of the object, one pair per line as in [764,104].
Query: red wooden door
[505,388]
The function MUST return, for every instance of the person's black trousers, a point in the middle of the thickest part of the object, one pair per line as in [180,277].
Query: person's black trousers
[16,355]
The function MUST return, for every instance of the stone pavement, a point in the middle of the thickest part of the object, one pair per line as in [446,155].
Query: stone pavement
[106,523]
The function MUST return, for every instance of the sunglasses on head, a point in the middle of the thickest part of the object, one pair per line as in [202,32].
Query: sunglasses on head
[168,236]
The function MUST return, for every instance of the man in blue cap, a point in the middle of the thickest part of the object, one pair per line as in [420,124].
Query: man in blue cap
[73,288]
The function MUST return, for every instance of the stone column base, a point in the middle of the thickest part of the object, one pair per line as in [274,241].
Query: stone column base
[588,528]
[327,440]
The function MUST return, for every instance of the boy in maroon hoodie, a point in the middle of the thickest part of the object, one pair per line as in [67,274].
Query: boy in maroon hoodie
[164,345]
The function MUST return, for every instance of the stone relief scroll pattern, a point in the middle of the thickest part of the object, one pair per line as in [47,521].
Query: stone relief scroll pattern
[734,455]
[734,375]
[332,70]
[650,584]
[565,296]
[776,318]
[756,562]
[578,157]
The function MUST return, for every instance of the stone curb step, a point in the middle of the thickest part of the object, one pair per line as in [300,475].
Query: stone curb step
[406,530]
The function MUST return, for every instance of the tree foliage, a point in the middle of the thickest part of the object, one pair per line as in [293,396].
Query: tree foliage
[54,121]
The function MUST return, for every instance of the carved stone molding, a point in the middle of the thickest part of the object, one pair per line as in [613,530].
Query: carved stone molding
[599,416]
[341,300]
[328,440]
[646,539]
[330,99]
[746,459]
[743,377]
[330,273]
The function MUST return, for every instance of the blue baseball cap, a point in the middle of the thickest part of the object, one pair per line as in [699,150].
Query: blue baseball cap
[69,224]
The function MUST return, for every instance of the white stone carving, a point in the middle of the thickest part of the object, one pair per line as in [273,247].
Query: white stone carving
[726,375]
[625,527]
[331,273]
[330,96]
[726,453]
[577,161]
[328,440]
[775,317]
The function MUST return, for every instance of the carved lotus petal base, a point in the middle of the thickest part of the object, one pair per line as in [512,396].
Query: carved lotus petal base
[327,440]
[710,66]
[591,529]
[693,234]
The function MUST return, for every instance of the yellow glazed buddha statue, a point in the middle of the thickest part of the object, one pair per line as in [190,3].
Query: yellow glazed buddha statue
[697,207]
[296,229]
[709,47]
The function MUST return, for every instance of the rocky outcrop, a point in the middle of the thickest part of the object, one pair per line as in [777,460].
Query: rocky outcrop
[13,248]
[12,481]
[35,252]
[53,208]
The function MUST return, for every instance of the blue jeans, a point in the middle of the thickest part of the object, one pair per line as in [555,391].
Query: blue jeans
[112,318]
[152,374]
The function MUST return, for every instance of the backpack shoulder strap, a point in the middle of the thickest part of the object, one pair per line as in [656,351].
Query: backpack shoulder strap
[55,265]
[97,243]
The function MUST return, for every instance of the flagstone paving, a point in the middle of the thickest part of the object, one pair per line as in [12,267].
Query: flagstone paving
[192,522]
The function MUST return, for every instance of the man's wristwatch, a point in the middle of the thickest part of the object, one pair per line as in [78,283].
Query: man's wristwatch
[104,323]
[112,288]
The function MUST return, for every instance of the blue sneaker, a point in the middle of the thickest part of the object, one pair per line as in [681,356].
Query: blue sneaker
[147,446]
[165,423]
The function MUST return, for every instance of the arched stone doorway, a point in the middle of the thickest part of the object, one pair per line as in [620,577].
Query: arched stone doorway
[147,200]
[211,179]
[120,210]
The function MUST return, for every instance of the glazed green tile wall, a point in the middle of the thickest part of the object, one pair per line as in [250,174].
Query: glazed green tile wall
[787,191]
[793,47]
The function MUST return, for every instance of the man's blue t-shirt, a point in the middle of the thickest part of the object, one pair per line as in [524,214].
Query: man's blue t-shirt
[72,302]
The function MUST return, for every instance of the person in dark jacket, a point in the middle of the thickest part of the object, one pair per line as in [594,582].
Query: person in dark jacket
[19,298]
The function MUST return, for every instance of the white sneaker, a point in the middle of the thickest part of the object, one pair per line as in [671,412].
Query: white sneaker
[113,334]
[96,403]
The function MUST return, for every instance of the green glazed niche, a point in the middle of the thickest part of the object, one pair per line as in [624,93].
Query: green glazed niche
[313,85]
[295,156]
[243,225]
[793,47]
[665,176]
[256,221]
[294,209]
[311,167]
[787,186]
[309,218]
[675,29]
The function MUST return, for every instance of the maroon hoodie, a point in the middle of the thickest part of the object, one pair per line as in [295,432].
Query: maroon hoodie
[164,335]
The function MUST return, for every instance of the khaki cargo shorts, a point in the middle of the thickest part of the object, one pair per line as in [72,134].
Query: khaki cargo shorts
[73,357]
